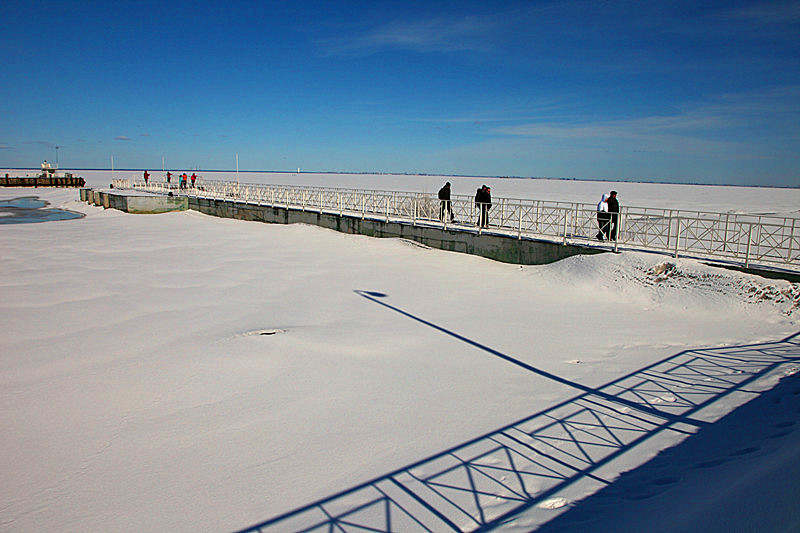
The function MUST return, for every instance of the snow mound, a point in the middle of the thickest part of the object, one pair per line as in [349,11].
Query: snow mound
[680,281]
[747,288]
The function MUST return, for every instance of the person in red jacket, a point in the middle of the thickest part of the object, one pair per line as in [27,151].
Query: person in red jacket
[194,177]
[146,177]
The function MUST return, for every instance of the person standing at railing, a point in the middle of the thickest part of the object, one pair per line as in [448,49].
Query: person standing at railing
[184,177]
[483,201]
[444,199]
[603,218]
[169,177]
[613,209]
[194,178]
[146,177]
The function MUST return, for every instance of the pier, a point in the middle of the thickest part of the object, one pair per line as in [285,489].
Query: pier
[520,231]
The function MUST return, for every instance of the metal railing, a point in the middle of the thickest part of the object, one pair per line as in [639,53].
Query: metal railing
[736,237]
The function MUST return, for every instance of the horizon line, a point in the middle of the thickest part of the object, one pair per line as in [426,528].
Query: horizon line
[425,174]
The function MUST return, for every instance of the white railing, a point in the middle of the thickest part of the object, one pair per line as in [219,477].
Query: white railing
[731,236]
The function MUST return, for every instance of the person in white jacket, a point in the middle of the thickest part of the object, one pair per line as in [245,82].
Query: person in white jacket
[603,218]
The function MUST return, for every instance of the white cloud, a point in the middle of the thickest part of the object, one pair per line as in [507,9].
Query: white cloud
[434,34]
[768,13]
[729,125]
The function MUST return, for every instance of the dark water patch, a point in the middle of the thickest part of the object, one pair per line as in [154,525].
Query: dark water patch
[31,209]
[26,202]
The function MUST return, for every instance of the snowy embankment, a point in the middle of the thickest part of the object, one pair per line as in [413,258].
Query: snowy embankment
[182,372]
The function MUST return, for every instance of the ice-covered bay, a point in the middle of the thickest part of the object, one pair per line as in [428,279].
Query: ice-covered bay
[137,391]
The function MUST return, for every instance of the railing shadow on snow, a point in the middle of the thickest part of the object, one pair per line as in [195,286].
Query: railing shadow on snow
[489,480]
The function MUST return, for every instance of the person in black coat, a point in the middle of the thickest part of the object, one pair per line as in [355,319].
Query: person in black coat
[444,199]
[613,209]
[483,201]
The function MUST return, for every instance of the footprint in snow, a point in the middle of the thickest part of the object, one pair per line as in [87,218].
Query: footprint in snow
[668,480]
[779,434]
[669,398]
[264,332]
[554,503]
[745,451]
[710,464]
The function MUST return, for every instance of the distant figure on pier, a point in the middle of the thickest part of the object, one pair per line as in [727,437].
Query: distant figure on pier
[169,176]
[483,201]
[184,177]
[603,218]
[194,178]
[146,177]
[613,209]
[444,199]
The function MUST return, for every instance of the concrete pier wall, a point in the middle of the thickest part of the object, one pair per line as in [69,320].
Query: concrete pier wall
[498,247]
[144,204]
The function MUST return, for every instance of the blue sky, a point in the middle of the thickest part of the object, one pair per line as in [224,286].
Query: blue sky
[655,91]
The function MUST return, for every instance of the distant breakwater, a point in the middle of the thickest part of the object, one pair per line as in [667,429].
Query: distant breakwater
[39,181]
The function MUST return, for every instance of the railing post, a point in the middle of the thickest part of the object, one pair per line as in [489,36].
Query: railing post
[566,223]
[725,236]
[677,234]
[575,222]
[519,219]
[791,242]
[414,212]
[387,209]
[619,232]
[669,229]
[749,239]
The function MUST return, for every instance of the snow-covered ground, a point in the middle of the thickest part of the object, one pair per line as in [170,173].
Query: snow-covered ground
[183,372]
